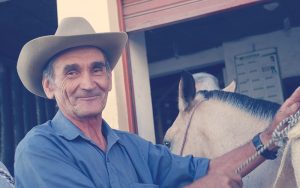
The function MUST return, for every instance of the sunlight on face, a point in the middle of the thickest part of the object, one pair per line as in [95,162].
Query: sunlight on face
[81,82]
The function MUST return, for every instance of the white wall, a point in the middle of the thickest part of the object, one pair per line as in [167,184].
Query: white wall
[96,11]
[286,42]
[141,85]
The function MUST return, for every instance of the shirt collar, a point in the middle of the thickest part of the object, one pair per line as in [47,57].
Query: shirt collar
[110,134]
[64,127]
[67,129]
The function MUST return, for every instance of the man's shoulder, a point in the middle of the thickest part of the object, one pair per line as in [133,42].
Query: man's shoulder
[37,137]
[43,130]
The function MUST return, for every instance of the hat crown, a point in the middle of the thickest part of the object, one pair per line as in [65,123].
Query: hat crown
[72,32]
[74,26]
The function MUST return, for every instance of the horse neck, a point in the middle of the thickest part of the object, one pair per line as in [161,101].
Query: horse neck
[218,127]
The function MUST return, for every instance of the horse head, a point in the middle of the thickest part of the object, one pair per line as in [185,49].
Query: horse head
[188,97]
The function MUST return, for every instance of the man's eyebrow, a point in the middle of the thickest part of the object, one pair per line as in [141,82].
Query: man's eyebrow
[98,64]
[70,67]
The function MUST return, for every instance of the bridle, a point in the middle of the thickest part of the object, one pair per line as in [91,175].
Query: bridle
[188,126]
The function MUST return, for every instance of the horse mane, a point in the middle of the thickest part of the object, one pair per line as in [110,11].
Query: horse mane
[256,107]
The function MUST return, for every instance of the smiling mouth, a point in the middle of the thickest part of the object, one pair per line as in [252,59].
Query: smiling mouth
[88,98]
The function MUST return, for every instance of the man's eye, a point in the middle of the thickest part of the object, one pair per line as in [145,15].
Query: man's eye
[71,73]
[99,70]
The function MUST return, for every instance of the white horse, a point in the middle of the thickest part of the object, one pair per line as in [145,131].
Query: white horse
[211,123]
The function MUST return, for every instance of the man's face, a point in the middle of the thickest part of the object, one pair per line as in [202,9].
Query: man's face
[81,82]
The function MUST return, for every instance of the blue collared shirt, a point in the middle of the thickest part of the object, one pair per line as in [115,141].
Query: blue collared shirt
[57,154]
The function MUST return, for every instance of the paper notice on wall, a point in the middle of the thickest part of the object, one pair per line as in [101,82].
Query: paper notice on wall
[258,75]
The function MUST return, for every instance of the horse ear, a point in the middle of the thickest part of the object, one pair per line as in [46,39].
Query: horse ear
[187,90]
[231,87]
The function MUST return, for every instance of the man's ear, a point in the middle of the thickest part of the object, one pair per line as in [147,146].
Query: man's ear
[48,88]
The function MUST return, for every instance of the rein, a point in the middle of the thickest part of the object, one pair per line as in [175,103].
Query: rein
[188,126]
[279,138]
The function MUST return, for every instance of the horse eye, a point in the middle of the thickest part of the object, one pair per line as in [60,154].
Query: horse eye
[167,143]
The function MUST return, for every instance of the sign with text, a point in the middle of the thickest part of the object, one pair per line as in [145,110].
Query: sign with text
[258,75]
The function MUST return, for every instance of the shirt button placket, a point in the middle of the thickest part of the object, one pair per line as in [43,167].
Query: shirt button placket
[110,173]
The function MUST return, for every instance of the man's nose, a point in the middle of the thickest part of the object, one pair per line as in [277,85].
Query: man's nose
[87,82]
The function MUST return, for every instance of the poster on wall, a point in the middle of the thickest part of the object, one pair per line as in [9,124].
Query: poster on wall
[258,75]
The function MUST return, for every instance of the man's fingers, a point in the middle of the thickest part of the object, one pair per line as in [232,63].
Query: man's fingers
[289,107]
[288,110]
[294,98]
[296,94]
[294,107]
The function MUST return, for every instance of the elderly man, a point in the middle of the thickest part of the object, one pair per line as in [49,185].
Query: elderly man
[77,148]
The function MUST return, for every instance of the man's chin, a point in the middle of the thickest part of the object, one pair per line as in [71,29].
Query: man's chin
[88,110]
[88,113]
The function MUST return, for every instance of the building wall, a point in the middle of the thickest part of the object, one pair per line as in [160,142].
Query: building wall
[141,85]
[286,42]
[196,60]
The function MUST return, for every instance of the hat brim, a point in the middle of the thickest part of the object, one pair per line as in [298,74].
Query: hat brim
[35,54]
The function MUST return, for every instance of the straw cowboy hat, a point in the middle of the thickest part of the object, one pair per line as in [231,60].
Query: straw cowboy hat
[72,32]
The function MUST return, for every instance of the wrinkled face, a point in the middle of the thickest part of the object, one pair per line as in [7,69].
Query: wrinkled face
[81,82]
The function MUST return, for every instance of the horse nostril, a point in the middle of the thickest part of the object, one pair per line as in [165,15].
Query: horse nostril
[167,143]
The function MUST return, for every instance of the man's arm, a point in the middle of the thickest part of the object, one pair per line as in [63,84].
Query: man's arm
[222,169]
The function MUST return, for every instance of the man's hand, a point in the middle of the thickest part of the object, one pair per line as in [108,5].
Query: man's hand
[289,107]
[216,180]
